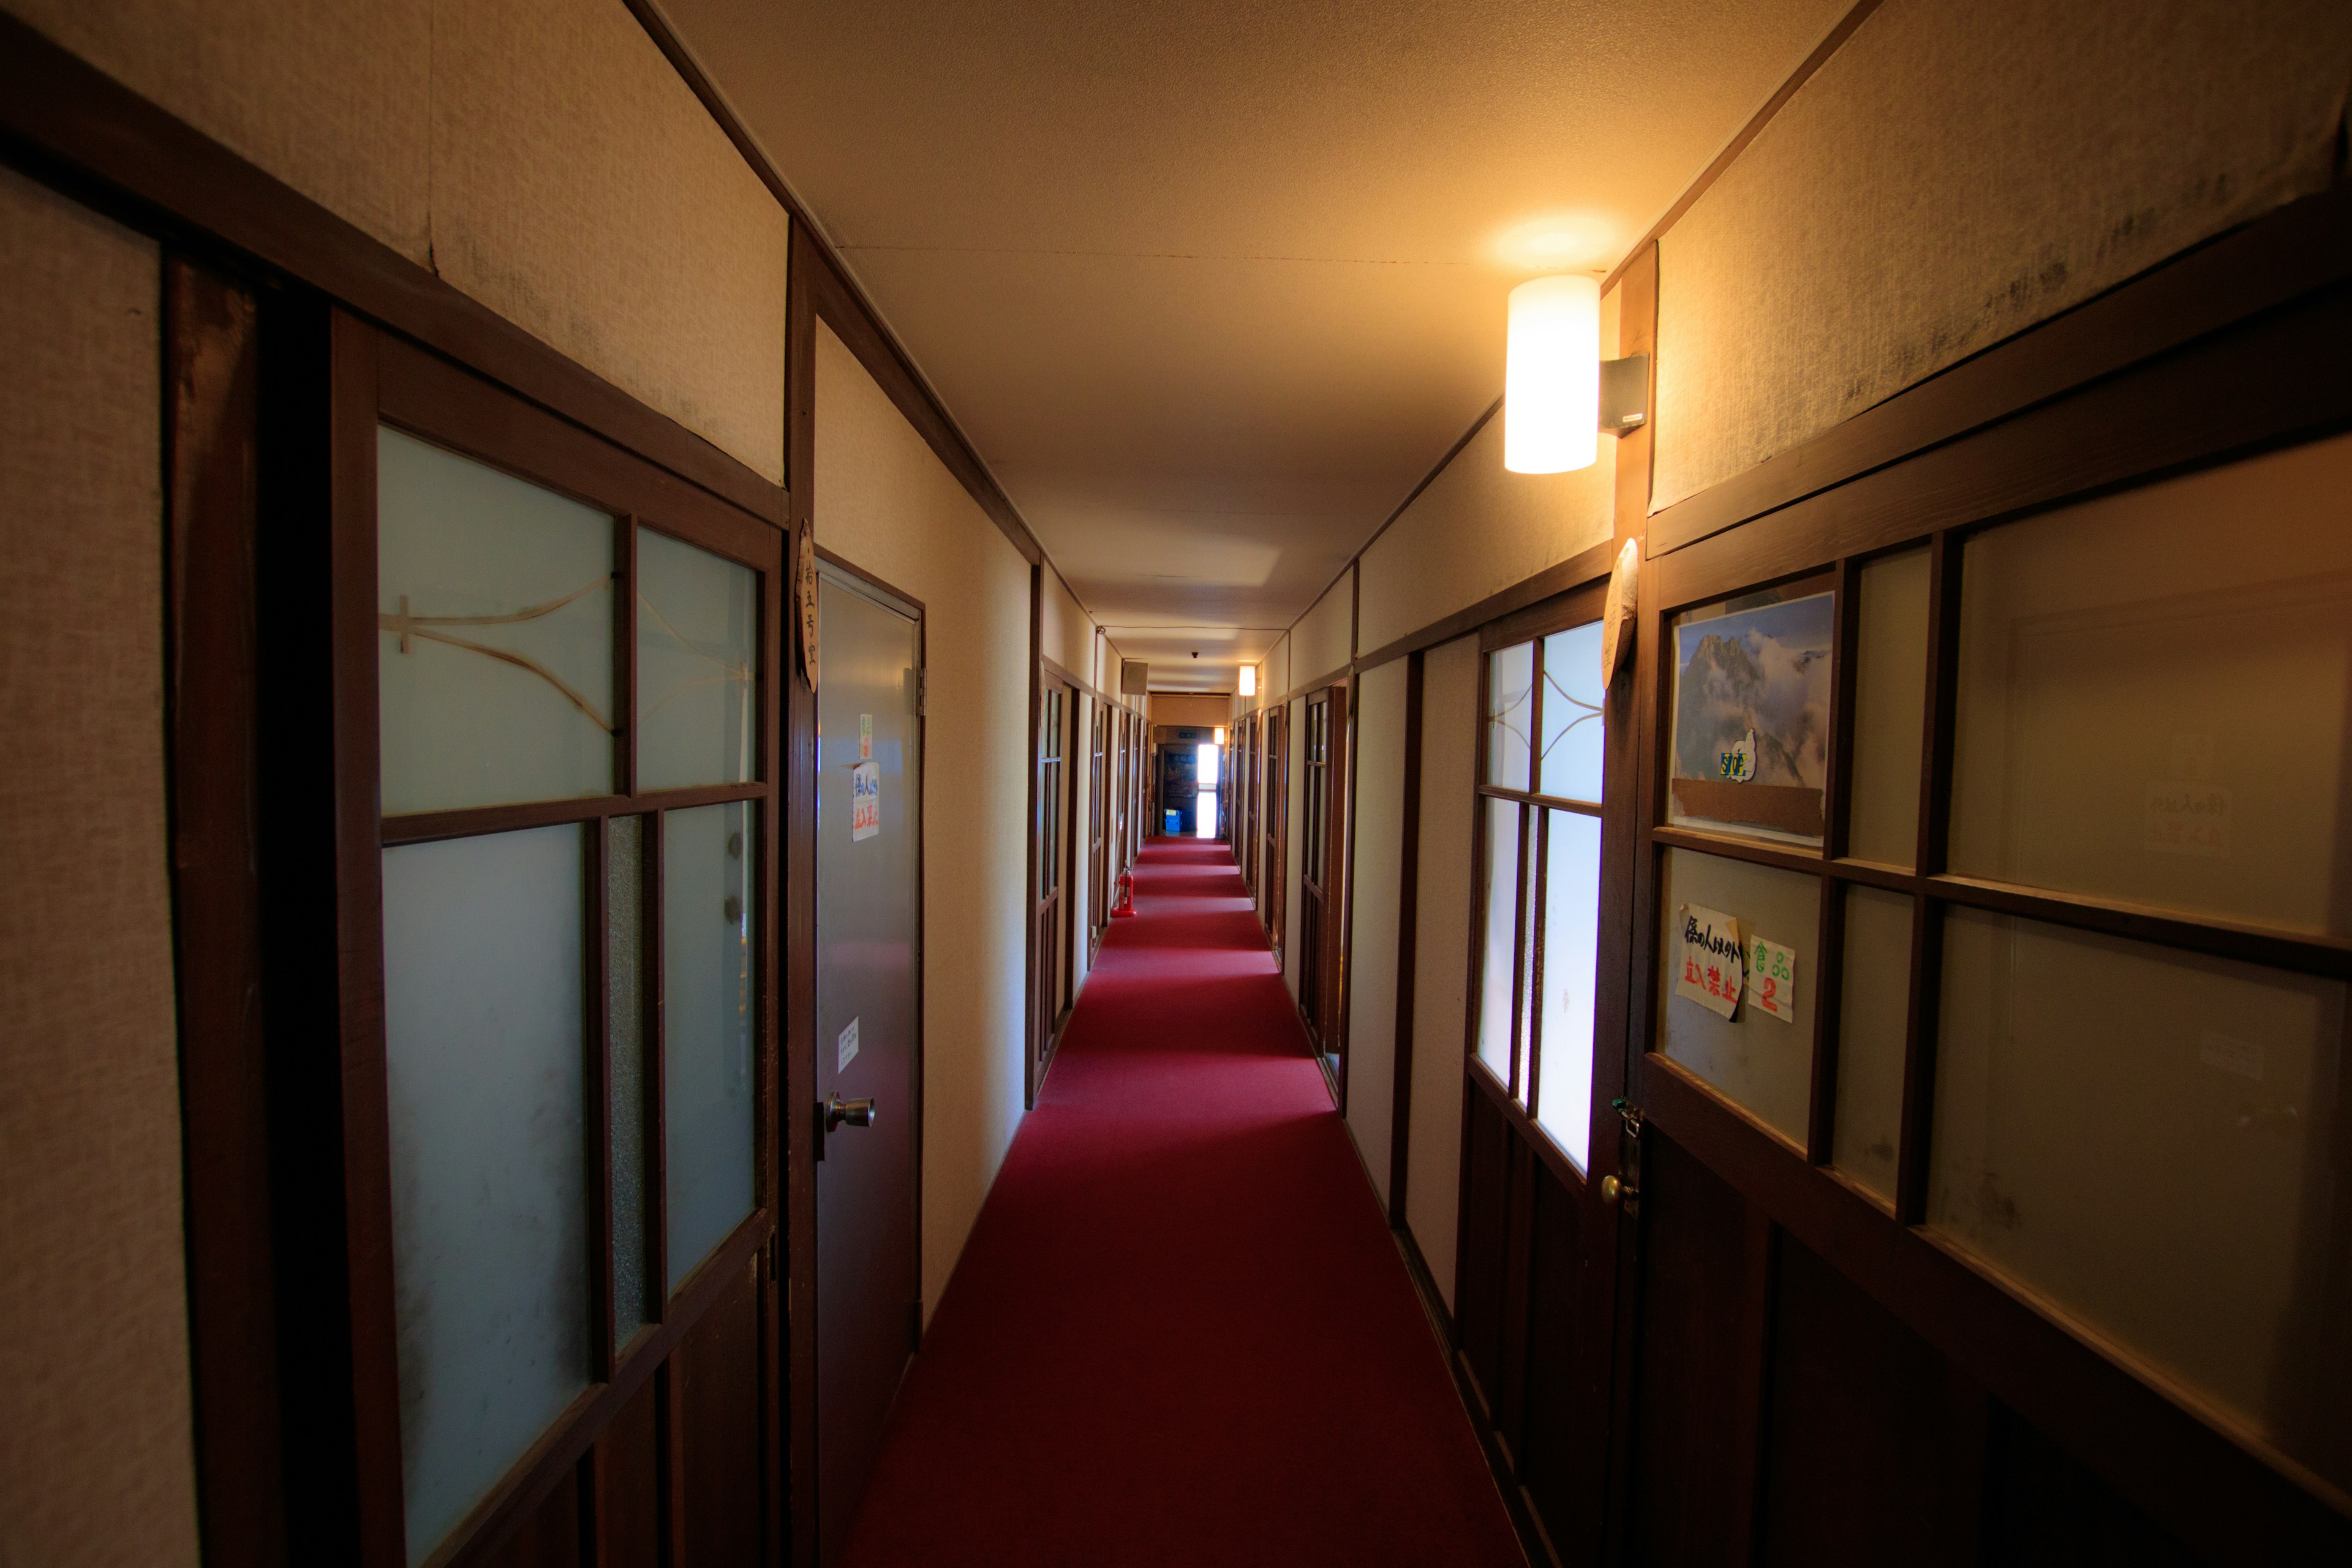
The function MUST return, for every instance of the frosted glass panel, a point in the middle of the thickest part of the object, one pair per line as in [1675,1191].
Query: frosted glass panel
[485,1039]
[1510,715]
[1874,1014]
[2150,1139]
[2153,695]
[1571,956]
[494,648]
[707,1002]
[625,895]
[1890,699]
[698,633]
[1497,971]
[1760,1062]
[1572,701]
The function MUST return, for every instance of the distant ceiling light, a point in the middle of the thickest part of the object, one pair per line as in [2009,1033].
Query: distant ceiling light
[1249,681]
[1551,375]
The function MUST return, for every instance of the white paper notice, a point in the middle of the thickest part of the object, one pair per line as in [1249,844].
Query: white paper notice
[845,1049]
[864,801]
[865,736]
[2186,818]
[1712,969]
[1772,979]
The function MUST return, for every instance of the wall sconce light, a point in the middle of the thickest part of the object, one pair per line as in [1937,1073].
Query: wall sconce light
[1249,681]
[1220,734]
[1554,379]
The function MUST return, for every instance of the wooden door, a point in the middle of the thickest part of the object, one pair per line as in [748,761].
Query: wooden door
[1990,990]
[1322,871]
[541,1152]
[1100,795]
[1277,813]
[868,1025]
[1050,904]
[1534,1292]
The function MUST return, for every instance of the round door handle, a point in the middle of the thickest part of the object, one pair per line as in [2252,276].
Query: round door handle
[1611,1190]
[855,1112]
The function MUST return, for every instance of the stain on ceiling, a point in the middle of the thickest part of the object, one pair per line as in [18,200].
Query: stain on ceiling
[1210,285]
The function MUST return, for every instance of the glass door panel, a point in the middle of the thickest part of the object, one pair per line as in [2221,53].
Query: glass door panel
[495,634]
[1572,701]
[1572,918]
[698,633]
[708,999]
[484,1041]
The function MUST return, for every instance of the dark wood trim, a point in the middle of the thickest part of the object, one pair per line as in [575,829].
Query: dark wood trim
[1030,1027]
[364,1108]
[800,1128]
[843,563]
[211,429]
[2223,1493]
[1637,334]
[65,112]
[1574,572]
[1830,45]
[596,1079]
[1067,679]
[2303,247]
[838,304]
[1407,950]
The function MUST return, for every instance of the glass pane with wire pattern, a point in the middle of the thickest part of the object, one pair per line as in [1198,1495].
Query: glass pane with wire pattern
[707,1002]
[2155,695]
[697,639]
[1510,715]
[1572,702]
[494,642]
[1890,702]
[1571,937]
[2153,1141]
[485,1037]
[1873,1018]
[1498,958]
[1760,1062]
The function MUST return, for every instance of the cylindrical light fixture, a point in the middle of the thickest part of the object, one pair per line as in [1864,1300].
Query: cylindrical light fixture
[1249,681]
[1220,734]
[1551,375]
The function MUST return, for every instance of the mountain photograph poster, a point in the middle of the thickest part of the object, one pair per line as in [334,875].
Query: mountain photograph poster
[1751,716]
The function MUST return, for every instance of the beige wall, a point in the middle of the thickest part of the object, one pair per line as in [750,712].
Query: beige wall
[1441,969]
[93,1305]
[1958,172]
[884,501]
[1319,644]
[1373,921]
[1189,708]
[540,155]
[1065,631]
[1477,530]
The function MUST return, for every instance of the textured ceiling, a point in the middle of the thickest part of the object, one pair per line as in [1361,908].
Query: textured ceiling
[1211,284]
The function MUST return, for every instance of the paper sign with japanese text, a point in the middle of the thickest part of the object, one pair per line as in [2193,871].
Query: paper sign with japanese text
[864,801]
[2189,819]
[1712,967]
[1772,979]
[865,736]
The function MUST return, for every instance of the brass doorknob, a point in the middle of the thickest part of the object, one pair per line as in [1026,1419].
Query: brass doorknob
[855,1112]
[1612,1189]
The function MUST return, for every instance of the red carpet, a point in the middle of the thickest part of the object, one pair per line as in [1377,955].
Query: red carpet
[1180,1333]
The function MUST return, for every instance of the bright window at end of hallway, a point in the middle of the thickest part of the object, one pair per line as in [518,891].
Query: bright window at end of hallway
[1204,818]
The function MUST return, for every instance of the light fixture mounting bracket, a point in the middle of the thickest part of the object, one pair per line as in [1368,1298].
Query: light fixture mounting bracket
[1624,395]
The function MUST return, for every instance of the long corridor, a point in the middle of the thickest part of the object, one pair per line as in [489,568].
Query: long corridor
[1180,1333]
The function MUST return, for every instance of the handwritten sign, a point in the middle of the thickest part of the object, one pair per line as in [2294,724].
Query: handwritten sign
[864,801]
[865,736]
[1772,979]
[1713,969]
[2187,818]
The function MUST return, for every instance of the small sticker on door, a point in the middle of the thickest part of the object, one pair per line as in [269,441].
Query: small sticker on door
[865,736]
[864,801]
[845,1049]
[1772,979]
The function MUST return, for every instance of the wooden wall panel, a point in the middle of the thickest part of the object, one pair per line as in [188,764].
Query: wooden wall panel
[627,1459]
[717,1395]
[1484,1243]
[1696,1268]
[2042,1508]
[552,1537]
[1559,1413]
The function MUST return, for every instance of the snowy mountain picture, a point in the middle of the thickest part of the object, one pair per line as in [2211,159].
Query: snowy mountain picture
[1752,708]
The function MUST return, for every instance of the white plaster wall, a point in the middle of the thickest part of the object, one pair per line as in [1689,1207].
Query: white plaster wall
[1372,934]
